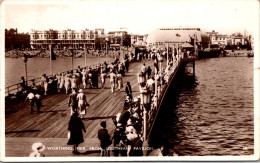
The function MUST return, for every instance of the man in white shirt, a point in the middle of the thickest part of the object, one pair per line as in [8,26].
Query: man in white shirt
[31,99]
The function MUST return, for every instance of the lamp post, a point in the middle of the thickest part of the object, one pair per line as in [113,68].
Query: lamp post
[141,79]
[160,59]
[85,55]
[71,50]
[145,96]
[25,63]
[106,46]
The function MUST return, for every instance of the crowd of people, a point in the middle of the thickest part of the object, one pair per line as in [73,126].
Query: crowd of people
[127,139]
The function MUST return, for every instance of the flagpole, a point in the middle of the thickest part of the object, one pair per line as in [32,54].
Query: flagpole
[50,60]
[85,52]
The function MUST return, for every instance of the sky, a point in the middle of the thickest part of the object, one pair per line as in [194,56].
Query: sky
[139,17]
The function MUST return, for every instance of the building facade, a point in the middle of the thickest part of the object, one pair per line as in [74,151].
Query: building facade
[178,36]
[65,39]
[138,40]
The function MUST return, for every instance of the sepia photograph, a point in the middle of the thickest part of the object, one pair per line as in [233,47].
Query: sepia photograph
[110,80]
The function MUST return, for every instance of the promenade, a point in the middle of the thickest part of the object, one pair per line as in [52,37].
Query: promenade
[51,126]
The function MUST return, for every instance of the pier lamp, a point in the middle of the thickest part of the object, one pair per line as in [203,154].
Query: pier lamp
[71,50]
[145,96]
[141,79]
[160,59]
[25,64]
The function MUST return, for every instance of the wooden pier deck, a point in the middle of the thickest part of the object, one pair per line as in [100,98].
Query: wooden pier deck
[50,127]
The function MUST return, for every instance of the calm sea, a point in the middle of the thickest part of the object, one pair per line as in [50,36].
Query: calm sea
[15,67]
[212,114]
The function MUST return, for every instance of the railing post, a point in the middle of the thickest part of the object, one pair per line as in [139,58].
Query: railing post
[145,123]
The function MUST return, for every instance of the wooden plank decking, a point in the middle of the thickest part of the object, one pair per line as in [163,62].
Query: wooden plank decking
[51,125]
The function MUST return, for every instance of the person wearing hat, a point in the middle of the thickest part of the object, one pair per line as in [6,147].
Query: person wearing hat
[95,78]
[38,101]
[33,85]
[44,83]
[112,76]
[128,90]
[84,78]
[73,82]
[119,80]
[82,103]
[104,138]
[67,83]
[75,129]
[23,83]
[37,148]
[102,78]
[116,139]
[73,102]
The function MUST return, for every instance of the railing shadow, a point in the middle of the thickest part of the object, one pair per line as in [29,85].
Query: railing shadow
[94,118]
[23,131]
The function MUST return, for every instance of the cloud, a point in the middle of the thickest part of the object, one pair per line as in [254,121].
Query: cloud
[138,16]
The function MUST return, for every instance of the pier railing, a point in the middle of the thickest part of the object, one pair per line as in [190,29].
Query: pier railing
[15,88]
[161,91]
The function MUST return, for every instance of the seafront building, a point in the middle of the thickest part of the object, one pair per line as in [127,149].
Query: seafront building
[179,37]
[97,39]
[65,38]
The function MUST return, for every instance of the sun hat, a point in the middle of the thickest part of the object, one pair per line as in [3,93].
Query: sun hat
[38,147]
[80,91]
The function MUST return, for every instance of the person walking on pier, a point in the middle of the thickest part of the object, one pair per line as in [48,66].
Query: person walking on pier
[119,81]
[73,101]
[62,81]
[104,138]
[149,72]
[126,64]
[82,103]
[23,83]
[102,78]
[75,132]
[74,82]
[144,69]
[112,76]
[128,90]
[38,101]
[31,99]
[67,83]
[90,78]
[84,78]
[95,78]
[44,83]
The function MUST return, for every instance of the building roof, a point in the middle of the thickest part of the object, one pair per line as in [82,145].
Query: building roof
[186,45]
[178,36]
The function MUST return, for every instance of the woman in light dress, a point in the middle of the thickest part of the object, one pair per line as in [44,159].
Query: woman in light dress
[82,103]
[61,82]
[67,83]
[44,83]
[84,78]
[119,81]
[112,76]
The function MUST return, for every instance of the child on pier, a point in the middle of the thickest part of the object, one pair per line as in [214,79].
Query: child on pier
[112,76]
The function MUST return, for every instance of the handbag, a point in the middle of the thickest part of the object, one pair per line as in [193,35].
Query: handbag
[69,135]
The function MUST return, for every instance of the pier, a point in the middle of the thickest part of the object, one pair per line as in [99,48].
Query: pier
[51,125]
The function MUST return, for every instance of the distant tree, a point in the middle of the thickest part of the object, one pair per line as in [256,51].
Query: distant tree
[15,40]
[127,40]
[97,43]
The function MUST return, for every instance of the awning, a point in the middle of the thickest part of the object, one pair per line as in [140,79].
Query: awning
[114,45]
[186,45]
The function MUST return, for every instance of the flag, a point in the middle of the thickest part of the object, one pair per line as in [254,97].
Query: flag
[53,56]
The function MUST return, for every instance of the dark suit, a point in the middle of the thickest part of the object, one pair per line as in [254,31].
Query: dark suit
[73,102]
[125,115]
[104,138]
